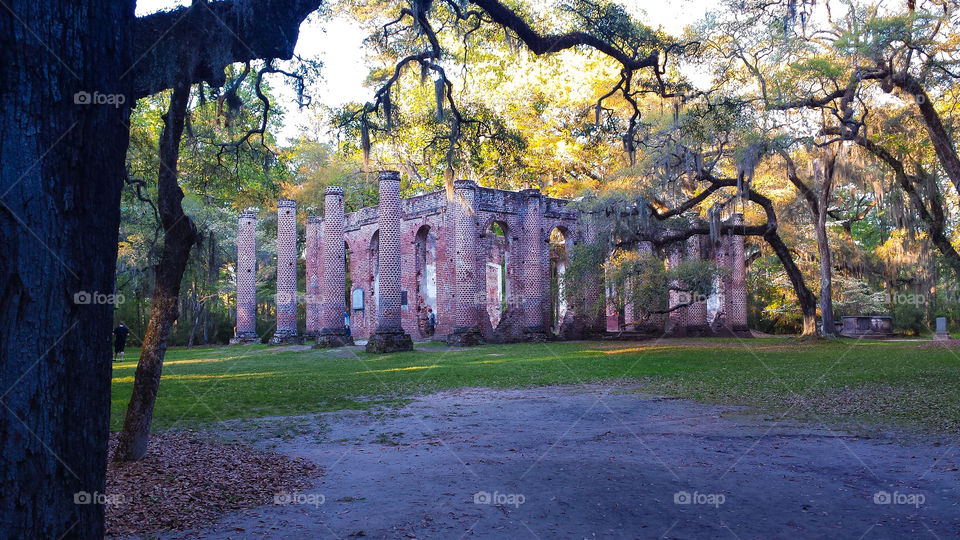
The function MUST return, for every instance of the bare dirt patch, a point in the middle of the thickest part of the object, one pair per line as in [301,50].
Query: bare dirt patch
[604,461]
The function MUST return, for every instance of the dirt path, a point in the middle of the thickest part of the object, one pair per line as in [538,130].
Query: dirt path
[600,462]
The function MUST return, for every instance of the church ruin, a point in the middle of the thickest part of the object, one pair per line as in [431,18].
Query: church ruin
[484,265]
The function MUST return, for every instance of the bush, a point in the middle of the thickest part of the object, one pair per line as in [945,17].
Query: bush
[909,319]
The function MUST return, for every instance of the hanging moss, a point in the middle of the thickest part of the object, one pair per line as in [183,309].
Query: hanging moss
[438,93]
[388,111]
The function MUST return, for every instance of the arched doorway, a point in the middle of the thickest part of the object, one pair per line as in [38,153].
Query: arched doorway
[559,260]
[497,290]
[348,287]
[426,268]
[373,265]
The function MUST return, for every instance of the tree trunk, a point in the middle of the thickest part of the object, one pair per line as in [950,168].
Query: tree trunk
[180,235]
[61,169]
[939,136]
[62,163]
[823,245]
[212,275]
[806,299]
[826,286]
[929,209]
[197,311]
[817,203]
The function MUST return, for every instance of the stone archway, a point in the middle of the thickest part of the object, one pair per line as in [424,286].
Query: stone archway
[373,267]
[497,289]
[425,302]
[559,260]
[348,285]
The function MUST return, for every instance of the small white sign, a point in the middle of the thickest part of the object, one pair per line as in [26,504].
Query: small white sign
[357,299]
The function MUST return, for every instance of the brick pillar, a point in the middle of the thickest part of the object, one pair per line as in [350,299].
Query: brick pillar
[676,319]
[389,336]
[629,317]
[536,280]
[736,298]
[467,296]
[313,276]
[333,332]
[697,312]
[590,312]
[722,261]
[286,272]
[246,330]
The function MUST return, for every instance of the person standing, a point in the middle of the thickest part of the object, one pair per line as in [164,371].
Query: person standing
[120,334]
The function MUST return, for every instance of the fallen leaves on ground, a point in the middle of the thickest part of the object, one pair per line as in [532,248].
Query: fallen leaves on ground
[185,481]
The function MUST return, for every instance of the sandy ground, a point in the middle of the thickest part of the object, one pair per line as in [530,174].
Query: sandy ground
[602,462]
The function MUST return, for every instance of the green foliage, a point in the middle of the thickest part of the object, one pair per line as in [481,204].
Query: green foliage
[876,35]
[609,21]
[771,305]
[222,170]
[909,318]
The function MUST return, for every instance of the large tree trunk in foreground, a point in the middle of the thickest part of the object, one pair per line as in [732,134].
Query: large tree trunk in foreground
[180,235]
[61,168]
[62,158]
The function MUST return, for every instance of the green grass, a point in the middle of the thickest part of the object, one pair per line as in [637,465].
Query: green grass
[887,382]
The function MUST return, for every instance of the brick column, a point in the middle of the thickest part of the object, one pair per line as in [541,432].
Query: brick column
[736,298]
[313,276]
[333,333]
[628,309]
[246,270]
[389,336]
[676,319]
[722,261]
[536,281]
[467,295]
[590,311]
[697,311]
[286,272]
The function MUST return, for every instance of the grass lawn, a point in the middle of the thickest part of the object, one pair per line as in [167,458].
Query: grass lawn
[889,382]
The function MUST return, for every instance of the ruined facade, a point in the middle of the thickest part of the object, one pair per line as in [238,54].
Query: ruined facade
[470,266]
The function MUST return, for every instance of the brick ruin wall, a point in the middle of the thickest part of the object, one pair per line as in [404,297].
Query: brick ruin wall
[510,272]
